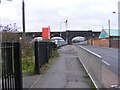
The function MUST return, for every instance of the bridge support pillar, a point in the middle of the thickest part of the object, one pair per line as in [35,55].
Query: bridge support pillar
[67,37]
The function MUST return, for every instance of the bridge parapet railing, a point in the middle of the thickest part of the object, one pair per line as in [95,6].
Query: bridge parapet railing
[93,65]
[97,69]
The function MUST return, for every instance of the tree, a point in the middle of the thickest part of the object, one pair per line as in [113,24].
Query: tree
[10,28]
[9,33]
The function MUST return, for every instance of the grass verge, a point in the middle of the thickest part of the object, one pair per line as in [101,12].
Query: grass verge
[90,82]
[28,63]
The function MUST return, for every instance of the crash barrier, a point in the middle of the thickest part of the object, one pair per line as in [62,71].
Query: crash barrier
[10,62]
[97,69]
[92,63]
[43,51]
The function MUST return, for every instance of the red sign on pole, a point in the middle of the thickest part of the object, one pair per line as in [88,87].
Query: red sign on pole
[46,33]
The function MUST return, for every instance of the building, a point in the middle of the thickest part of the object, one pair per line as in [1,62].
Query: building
[109,40]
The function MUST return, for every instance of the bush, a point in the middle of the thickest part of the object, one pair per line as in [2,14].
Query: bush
[28,58]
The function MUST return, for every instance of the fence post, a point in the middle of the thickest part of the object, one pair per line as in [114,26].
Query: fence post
[37,61]
[9,65]
[18,66]
[3,64]
[42,51]
[45,52]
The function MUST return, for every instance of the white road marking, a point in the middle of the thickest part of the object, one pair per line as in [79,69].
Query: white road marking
[96,55]
[35,82]
[91,52]
[105,62]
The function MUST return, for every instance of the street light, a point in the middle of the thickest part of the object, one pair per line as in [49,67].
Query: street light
[118,19]
[67,31]
[109,33]
[118,26]
[66,24]
[114,12]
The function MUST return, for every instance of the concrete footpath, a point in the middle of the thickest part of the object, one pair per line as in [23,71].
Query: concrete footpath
[66,72]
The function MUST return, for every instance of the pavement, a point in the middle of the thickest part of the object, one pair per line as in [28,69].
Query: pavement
[66,72]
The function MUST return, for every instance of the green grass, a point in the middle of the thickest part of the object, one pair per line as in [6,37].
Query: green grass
[90,82]
[28,58]
[27,67]
[92,85]
[28,63]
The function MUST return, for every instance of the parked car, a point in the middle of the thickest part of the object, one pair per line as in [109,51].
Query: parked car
[79,40]
[59,41]
[37,39]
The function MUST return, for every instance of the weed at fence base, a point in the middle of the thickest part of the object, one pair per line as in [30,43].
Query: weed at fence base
[28,64]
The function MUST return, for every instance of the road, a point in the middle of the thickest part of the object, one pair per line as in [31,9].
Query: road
[109,55]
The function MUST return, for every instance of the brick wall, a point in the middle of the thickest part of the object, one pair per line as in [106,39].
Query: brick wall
[103,43]
[90,42]
[114,43]
[96,42]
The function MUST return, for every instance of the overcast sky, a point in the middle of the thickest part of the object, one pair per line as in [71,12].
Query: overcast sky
[81,14]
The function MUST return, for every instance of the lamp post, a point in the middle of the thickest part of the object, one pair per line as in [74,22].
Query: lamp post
[66,24]
[67,31]
[109,33]
[118,24]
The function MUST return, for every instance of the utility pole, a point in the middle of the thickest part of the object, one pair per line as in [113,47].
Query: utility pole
[23,18]
[109,33]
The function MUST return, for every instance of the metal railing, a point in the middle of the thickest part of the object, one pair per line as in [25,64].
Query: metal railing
[100,74]
[43,51]
[10,60]
[92,63]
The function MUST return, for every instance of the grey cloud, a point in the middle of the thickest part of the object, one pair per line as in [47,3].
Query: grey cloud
[80,14]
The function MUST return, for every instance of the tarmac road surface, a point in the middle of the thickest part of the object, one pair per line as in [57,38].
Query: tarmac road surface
[109,55]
